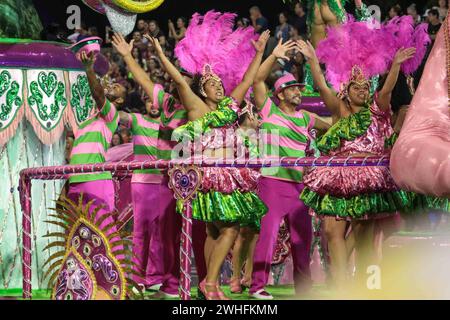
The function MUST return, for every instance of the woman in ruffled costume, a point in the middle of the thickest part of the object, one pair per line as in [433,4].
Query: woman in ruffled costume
[244,247]
[361,123]
[227,196]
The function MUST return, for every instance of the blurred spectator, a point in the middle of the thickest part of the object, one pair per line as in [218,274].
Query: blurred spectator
[153,29]
[394,11]
[282,31]
[412,11]
[181,27]
[434,23]
[259,22]
[126,135]
[92,32]
[133,99]
[116,140]
[138,43]
[141,26]
[443,9]
[242,23]
[82,31]
[300,20]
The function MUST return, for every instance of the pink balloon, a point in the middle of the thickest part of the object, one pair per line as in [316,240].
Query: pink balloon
[420,159]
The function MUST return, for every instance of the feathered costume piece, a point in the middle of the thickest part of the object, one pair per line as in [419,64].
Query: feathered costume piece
[210,40]
[88,265]
[371,50]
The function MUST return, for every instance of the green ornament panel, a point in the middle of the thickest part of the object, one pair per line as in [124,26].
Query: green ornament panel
[81,100]
[47,96]
[11,85]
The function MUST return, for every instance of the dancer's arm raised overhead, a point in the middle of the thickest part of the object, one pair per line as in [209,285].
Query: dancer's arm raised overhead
[139,74]
[329,97]
[98,93]
[384,95]
[239,92]
[195,107]
[259,87]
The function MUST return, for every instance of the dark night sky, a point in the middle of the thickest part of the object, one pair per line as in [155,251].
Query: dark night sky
[55,10]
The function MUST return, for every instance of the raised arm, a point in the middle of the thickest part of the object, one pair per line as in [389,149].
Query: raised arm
[139,74]
[385,94]
[98,93]
[328,96]
[259,87]
[192,103]
[174,33]
[239,92]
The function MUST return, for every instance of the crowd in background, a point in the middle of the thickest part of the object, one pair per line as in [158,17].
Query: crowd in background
[292,25]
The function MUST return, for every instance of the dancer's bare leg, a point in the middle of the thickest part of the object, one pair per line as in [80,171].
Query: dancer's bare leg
[335,233]
[249,262]
[211,236]
[228,233]
[241,250]
[364,246]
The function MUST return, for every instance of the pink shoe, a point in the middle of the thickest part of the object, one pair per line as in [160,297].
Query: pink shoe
[235,286]
[207,295]
[246,283]
[222,295]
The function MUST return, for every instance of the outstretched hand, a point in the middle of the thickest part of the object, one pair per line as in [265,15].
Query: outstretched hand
[260,45]
[282,48]
[155,43]
[88,60]
[119,43]
[306,49]
[404,54]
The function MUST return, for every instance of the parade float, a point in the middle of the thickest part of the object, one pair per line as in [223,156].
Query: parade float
[43,91]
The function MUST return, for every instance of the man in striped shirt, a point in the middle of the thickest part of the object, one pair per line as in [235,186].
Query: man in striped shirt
[153,201]
[92,140]
[286,133]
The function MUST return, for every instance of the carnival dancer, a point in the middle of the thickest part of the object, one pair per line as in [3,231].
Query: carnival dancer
[288,135]
[153,201]
[361,123]
[226,197]
[244,247]
[92,140]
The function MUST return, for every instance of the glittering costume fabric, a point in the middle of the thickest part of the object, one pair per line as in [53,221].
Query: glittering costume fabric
[356,192]
[226,194]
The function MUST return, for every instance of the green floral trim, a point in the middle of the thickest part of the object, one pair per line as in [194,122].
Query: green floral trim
[427,203]
[348,128]
[49,85]
[81,92]
[220,117]
[11,88]
[245,208]
[359,206]
[389,142]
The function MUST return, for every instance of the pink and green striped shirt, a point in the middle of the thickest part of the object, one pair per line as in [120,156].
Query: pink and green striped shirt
[285,136]
[152,137]
[92,140]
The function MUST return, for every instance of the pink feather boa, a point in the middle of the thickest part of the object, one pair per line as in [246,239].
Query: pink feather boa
[210,39]
[373,50]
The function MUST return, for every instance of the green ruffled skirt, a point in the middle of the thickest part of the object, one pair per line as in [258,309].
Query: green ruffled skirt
[367,206]
[245,208]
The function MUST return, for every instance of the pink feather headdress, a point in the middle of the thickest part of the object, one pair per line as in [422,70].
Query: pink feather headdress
[400,32]
[211,48]
[371,50]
